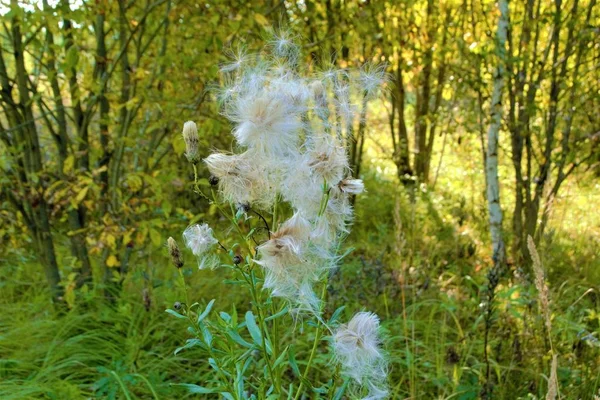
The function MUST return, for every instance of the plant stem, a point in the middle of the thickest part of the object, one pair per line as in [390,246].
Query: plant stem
[263,328]
[193,325]
[196,187]
[318,333]
[142,377]
[118,378]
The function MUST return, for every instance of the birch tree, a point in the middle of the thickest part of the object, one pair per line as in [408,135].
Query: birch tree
[493,133]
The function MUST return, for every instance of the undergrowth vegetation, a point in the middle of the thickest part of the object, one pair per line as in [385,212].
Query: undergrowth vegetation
[429,296]
[402,206]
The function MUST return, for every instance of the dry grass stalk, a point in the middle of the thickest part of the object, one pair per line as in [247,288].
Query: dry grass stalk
[544,301]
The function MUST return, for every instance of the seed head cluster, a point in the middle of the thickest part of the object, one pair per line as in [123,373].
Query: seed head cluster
[357,348]
[292,130]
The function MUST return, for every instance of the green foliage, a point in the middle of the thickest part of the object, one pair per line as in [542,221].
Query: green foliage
[420,251]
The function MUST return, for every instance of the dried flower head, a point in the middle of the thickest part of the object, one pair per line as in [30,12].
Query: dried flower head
[192,140]
[291,263]
[267,121]
[175,253]
[356,346]
[243,178]
[327,159]
[372,78]
[351,186]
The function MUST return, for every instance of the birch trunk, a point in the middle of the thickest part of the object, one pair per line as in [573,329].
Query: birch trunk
[493,184]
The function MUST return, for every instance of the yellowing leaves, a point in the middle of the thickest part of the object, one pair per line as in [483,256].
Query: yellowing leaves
[68,164]
[134,182]
[112,261]
[261,19]
[81,195]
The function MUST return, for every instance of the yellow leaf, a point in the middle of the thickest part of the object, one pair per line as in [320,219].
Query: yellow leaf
[261,19]
[69,164]
[81,194]
[127,238]
[111,241]
[140,237]
[112,261]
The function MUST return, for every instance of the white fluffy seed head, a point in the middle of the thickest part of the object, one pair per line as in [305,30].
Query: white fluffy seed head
[292,264]
[372,78]
[245,178]
[199,239]
[266,122]
[327,159]
[351,186]
[357,348]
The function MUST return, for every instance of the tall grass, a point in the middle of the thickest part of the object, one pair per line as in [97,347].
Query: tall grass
[425,279]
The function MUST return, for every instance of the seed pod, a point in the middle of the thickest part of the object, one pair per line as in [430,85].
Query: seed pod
[192,140]
[213,180]
[175,253]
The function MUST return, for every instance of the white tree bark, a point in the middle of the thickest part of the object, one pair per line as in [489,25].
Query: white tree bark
[493,184]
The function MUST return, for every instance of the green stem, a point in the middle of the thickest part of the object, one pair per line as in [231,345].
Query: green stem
[263,329]
[324,198]
[196,186]
[232,222]
[318,333]
[274,223]
[149,385]
[193,325]
[118,378]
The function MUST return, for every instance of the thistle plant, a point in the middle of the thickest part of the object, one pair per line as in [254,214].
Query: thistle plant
[288,181]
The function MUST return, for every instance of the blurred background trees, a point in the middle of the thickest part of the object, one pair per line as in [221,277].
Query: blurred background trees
[94,94]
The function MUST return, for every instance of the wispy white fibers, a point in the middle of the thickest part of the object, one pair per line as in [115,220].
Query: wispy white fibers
[351,186]
[267,121]
[291,265]
[321,166]
[244,178]
[357,349]
[200,240]
[290,131]
[372,78]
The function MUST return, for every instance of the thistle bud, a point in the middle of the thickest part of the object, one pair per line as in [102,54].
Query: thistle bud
[191,139]
[175,253]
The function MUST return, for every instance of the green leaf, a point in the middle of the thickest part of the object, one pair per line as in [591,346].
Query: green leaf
[238,339]
[155,237]
[336,315]
[190,343]
[225,317]
[197,389]
[281,358]
[253,329]
[206,311]
[293,363]
[206,334]
[175,313]
[277,315]
[341,390]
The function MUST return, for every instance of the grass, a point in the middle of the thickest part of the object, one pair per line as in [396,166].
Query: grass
[426,280]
